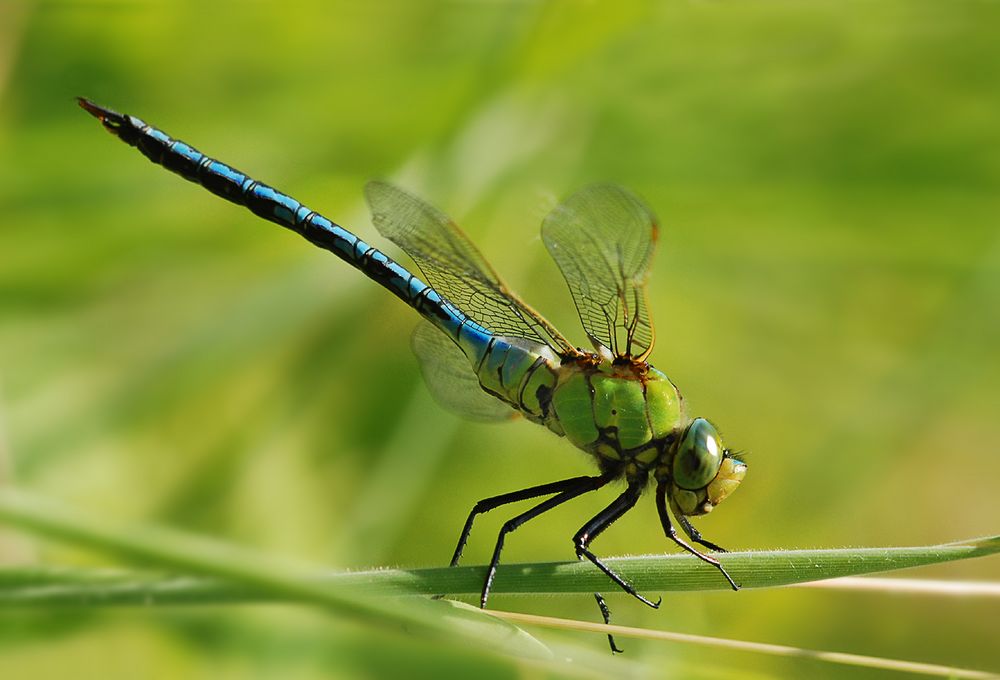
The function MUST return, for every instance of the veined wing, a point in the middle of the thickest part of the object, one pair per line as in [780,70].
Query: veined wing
[602,238]
[451,380]
[455,268]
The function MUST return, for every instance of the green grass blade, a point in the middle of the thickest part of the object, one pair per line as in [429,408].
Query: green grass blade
[259,574]
[676,572]
[235,574]
[219,573]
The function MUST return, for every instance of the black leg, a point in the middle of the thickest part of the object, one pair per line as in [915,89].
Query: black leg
[694,534]
[579,487]
[488,504]
[592,529]
[606,614]
[668,528]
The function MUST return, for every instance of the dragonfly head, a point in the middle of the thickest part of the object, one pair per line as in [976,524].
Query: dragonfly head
[703,472]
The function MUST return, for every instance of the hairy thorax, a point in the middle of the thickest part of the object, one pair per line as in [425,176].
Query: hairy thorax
[625,414]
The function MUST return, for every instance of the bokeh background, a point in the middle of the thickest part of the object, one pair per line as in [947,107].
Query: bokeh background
[827,289]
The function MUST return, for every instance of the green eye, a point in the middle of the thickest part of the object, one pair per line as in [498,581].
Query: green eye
[698,456]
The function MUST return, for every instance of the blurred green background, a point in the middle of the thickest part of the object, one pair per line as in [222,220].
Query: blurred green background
[826,289]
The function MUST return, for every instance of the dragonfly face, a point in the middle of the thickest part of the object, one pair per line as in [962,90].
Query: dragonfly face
[703,472]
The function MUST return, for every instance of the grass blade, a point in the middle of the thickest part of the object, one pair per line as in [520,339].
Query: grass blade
[758,647]
[262,574]
[224,576]
[911,586]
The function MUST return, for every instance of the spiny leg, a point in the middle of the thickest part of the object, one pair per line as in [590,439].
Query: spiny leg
[583,485]
[605,518]
[494,502]
[695,535]
[668,528]
[606,615]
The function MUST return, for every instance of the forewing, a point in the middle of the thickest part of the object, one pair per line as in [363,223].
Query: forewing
[451,380]
[602,238]
[454,267]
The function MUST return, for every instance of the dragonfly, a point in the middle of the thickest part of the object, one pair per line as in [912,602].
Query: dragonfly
[488,355]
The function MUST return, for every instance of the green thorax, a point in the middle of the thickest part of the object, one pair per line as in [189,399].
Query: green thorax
[625,414]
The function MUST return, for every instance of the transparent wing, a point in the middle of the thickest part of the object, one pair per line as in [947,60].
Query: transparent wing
[451,380]
[454,267]
[602,238]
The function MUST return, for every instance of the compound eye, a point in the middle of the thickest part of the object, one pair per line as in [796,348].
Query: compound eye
[698,456]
